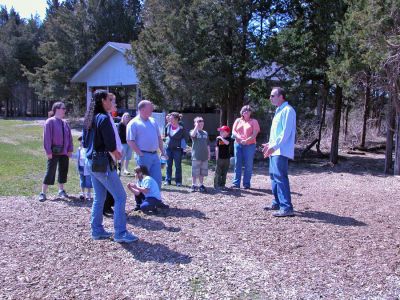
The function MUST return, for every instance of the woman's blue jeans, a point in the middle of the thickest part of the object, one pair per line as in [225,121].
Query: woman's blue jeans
[278,171]
[244,156]
[174,157]
[103,182]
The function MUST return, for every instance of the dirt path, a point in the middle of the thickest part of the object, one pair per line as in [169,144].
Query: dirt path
[343,243]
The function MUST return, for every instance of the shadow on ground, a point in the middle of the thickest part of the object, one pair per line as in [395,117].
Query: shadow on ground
[149,224]
[74,201]
[181,213]
[145,252]
[177,190]
[357,165]
[328,218]
[252,192]
[370,164]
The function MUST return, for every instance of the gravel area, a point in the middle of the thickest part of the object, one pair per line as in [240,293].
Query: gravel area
[343,243]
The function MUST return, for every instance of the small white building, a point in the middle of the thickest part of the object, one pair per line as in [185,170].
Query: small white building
[108,68]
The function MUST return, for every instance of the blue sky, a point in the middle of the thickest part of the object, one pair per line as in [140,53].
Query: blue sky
[26,8]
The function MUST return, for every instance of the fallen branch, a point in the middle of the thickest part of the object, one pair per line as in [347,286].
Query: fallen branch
[304,152]
[370,149]
[355,152]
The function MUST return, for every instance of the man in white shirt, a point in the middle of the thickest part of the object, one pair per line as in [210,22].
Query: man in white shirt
[280,149]
[143,136]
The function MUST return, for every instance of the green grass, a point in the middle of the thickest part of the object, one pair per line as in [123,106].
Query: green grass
[23,162]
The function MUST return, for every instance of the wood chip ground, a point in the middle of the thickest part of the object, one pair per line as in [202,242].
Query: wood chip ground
[343,243]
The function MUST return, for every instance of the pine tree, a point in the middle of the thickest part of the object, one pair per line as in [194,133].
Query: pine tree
[18,49]
[199,53]
[370,41]
[73,32]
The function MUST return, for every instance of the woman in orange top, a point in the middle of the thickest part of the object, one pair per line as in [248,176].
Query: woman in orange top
[245,130]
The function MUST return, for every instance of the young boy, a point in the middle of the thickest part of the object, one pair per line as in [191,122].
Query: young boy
[222,156]
[84,176]
[146,191]
[200,154]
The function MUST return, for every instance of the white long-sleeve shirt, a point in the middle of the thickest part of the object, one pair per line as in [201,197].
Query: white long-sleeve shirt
[283,131]
[117,138]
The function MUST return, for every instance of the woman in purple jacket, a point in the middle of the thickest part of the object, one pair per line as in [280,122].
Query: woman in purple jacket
[57,142]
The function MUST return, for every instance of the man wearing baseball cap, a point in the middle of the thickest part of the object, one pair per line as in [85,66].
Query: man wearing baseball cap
[222,156]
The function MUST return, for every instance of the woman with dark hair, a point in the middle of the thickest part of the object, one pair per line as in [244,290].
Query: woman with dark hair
[175,133]
[99,138]
[57,142]
[245,130]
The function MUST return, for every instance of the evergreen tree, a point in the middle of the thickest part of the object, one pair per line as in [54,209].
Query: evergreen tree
[195,53]
[18,49]
[369,38]
[74,31]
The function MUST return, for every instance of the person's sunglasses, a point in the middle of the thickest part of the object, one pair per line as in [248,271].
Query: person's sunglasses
[63,108]
[200,121]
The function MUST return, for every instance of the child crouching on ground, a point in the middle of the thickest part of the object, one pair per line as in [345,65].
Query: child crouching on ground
[84,176]
[146,191]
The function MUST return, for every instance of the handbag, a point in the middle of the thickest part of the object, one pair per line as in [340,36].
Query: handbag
[56,149]
[100,161]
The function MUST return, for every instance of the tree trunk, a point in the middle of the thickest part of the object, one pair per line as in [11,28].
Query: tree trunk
[346,121]
[366,109]
[6,113]
[11,113]
[232,110]
[45,110]
[324,93]
[241,82]
[33,106]
[397,146]
[395,101]
[390,126]
[26,100]
[320,104]
[334,155]
[223,116]
[380,115]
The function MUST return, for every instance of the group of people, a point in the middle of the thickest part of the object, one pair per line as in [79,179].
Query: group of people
[103,145]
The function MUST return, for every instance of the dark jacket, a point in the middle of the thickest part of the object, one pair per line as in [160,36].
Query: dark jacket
[175,141]
[100,137]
